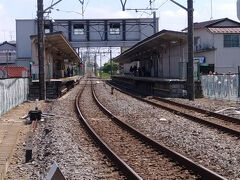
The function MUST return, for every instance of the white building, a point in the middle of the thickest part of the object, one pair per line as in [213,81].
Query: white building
[217,47]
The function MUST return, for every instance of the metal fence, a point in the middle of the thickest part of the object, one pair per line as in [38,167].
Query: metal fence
[12,93]
[221,87]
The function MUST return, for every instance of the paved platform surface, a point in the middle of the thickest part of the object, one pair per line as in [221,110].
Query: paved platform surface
[8,138]
[66,79]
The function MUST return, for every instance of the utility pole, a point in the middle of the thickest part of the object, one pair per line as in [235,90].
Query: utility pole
[123,3]
[191,85]
[42,83]
[211,11]
[7,62]
[111,62]
[154,17]
[40,25]
[154,22]
[190,69]
[100,64]
[151,9]
[82,3]
[95,65]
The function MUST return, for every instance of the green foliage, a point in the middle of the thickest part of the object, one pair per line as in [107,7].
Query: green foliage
[107,67]
[105,75]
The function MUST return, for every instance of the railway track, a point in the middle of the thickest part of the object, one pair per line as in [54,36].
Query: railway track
[224,123]
[139,157]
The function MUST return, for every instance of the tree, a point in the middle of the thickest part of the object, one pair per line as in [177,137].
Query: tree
[107,67]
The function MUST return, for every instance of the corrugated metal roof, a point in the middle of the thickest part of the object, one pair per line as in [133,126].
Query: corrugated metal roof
[227,30]
[15,71]
[58,40]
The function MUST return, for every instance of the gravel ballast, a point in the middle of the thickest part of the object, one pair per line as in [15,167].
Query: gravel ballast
[62,139]
[214,149]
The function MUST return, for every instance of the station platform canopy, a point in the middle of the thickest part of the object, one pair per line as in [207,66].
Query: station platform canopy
[156,42]
[60,45]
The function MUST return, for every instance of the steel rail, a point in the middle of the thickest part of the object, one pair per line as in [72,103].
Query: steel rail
[189,116]
[127,170]
[190,164]
[203,111]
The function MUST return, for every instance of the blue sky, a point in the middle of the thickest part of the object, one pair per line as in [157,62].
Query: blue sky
[170,16]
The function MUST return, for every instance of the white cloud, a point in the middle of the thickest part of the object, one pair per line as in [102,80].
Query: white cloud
[173,20]
[225,10]
[106,12]
[2,9]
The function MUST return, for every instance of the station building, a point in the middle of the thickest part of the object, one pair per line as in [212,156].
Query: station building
[79,33]
[63,39]
[158,64]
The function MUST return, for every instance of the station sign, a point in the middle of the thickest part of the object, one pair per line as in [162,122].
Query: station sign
[200,60]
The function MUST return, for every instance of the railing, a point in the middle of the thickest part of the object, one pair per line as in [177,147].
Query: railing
[221,87]
[12,93]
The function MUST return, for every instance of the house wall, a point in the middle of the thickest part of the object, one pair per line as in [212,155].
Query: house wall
[227,59]
[206,38]
[224,59]
[210,56]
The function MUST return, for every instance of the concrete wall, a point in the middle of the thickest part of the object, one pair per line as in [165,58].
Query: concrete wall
[12,93]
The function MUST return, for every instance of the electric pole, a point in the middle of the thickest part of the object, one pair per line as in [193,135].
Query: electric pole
[95,65]
[191,85]
[190,68]
[111,64]
[151,9]
[42,83]
[82,3]
[100,64]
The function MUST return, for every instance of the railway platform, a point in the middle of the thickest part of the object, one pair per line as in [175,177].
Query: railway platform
[154,86]
[164,87]
[55,87]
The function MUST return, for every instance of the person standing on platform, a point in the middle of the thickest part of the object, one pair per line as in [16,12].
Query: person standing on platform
[72,71]
[131,70]
[135,70]
[68,72]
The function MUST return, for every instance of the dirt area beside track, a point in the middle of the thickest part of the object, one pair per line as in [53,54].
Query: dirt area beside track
[10,122]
